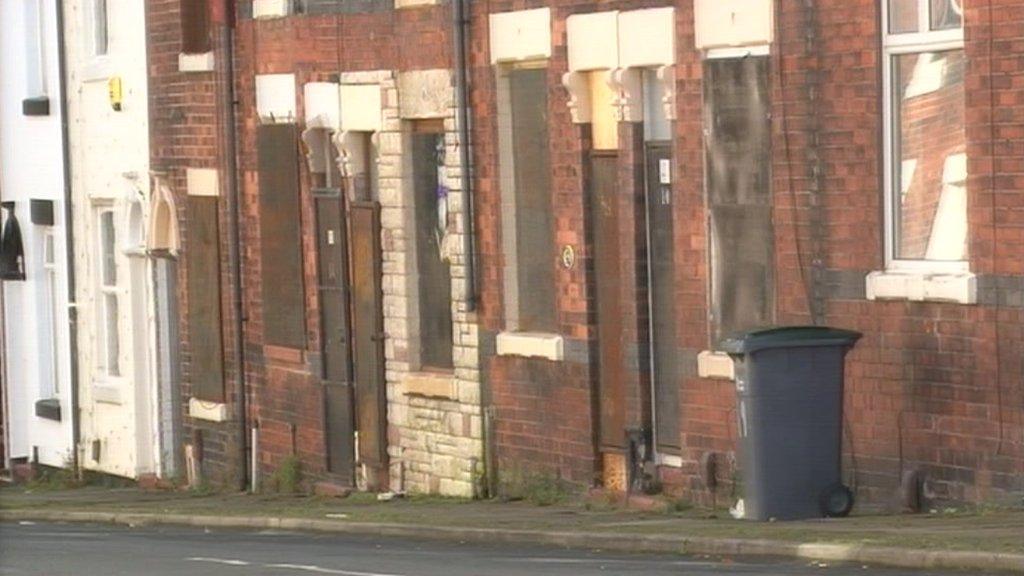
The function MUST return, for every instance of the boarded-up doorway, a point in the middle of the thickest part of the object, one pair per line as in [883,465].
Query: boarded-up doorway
[332,244]
[368,342]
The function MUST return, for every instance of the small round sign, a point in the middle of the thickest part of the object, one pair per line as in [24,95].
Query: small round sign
[568,257]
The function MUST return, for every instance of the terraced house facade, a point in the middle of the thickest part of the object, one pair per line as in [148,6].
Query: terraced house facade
[453,246]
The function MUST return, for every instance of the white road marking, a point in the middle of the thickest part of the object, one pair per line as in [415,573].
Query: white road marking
[72,534]
[224,561]
[319,570]
[607,561]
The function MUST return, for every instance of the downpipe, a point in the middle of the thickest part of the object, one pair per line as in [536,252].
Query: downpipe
[69,241]
[228,114]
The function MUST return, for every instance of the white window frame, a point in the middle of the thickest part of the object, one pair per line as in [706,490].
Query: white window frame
[104,292]
[95,66]
[895,44]
[93,28]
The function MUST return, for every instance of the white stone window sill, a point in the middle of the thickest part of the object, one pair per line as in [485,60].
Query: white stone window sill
[531,345]
[922,286]
[196,62]
[210,411]
[262,9]
[711,364]
[430,385]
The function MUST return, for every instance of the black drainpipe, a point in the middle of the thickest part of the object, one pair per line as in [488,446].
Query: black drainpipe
[69,236]
[460,21]
[230,137]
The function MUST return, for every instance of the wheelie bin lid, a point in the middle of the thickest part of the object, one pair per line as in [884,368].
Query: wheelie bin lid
[788,337]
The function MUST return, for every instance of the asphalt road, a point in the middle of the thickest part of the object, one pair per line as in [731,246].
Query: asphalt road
[40,549]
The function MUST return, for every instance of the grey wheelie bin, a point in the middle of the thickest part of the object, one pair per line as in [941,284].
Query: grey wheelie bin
[789,387]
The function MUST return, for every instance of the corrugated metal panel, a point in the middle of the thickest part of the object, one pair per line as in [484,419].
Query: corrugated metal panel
[206,366]
[738,152]
[284,307]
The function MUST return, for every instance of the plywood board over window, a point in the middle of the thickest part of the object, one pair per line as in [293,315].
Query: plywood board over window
[739,193]
[204,305]
[534,226]
[284,310]
[195,26]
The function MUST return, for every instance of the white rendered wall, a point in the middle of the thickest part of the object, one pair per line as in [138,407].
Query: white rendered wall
[110,159]
[31,166]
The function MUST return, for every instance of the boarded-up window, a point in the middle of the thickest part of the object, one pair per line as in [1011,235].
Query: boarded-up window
[739,193]
[534,230]
[204,311]
[284,310]
[195,26]
[435,281]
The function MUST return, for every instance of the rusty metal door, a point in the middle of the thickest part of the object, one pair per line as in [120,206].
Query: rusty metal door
[662,283]
[608,281]
[333,288]
[368,341]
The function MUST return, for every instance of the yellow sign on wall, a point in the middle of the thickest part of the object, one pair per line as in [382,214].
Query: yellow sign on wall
[116,95]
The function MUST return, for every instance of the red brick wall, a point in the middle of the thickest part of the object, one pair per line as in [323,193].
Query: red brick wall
[187,131]
[285,384]
[932,386]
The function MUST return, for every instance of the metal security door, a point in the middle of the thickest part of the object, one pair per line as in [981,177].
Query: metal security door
[662,282]
[608,280]
[368,342]
[332,241]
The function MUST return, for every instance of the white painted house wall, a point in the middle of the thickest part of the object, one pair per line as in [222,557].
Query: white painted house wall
[31,166]
[110,160]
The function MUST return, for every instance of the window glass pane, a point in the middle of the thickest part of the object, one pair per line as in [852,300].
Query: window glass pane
[52,316]
[946,14]
[48,255]
[930,166]
[110,329]
[108,241]
[34,78]
[902,16]
[657,126]
[99,23]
